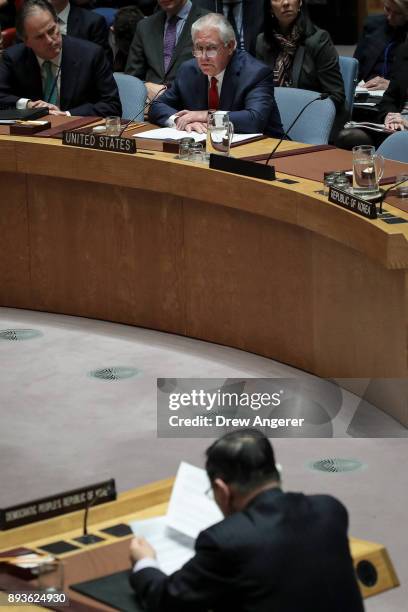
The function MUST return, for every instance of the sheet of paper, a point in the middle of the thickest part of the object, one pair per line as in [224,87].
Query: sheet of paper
[190,510]
[173,548]
[170,134]
[173,134]
[360,89]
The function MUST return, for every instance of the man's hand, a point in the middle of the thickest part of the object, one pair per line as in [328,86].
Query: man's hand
[186,117]
[59,113]
[42,104]
[395,121]
[154,89]
[140,549]
[376,83]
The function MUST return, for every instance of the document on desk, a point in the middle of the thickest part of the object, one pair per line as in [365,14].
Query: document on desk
[174,134]
[190,511]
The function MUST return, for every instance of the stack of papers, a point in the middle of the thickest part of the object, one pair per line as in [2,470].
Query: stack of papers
[190,511]
[174,134]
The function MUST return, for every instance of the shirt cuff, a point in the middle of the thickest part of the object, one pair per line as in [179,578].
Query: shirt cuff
[144,563]
[171,121]
[22,103]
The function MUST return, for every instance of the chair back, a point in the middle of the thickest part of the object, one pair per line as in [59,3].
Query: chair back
[132,93]
[349,72]
[395,147]
[9,36]
[108,13]
[315,124]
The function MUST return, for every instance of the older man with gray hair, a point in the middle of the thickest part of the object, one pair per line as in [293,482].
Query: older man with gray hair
[219,78]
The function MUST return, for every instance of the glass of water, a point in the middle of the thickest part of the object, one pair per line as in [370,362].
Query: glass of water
[368,168]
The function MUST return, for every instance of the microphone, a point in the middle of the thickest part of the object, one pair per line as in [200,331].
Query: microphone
[104,491]
[384,195]
[322,96]
[145,107]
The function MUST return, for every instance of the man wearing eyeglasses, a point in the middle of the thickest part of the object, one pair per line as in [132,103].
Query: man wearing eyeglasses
[219,78]
[63,74]
[274,551]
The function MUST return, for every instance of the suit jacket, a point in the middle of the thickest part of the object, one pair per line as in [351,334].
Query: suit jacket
[252,18]
[247,92]
[88,26]
[376,35]
[393,100]
[285,552]
[146,57]
[87,84]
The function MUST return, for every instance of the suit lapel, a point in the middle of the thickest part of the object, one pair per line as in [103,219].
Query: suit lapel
[297,65]
[69,75]
[32,76]
[230,83]
[157,35]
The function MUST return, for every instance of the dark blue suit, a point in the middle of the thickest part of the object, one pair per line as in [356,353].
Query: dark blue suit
[87,84]
[247,92]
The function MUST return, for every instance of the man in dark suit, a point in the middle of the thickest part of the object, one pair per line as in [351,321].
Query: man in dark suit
[246,17]
[379,44]
[219,78]
[80,23]
[63,74]
[162,43]
[273,551]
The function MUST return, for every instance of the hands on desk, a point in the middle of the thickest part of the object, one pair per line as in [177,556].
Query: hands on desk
[192,121]
[395,121]
[53,110]
[376,83]
[140,549]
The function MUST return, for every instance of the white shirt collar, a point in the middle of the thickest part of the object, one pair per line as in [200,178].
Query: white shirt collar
[63,15]
[56,61]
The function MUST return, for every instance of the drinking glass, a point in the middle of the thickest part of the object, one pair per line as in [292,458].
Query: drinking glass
[220,132]
[112,125]
[368,168]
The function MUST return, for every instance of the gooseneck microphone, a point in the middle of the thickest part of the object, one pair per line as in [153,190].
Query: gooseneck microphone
[143,110]
[89,538]
[384,195]
[322,96]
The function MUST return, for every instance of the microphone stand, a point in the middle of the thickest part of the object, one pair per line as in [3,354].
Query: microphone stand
[384,195]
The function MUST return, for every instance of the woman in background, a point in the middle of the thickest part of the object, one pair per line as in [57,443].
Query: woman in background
[301,54]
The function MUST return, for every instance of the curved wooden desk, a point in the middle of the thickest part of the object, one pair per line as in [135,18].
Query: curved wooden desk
[146,240]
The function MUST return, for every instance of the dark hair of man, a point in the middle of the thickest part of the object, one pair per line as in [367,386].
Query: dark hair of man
[271,23]
[29,7]
[242,458]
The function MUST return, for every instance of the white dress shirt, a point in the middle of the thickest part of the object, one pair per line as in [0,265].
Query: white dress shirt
[55,65]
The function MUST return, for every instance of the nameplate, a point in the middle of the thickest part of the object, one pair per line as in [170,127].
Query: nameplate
[56,505]
[101,142]
[351,202]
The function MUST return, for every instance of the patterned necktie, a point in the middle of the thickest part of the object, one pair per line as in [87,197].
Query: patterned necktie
[170,40]
[50,86]
[213,98]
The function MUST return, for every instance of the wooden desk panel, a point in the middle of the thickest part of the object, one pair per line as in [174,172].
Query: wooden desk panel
[148,240]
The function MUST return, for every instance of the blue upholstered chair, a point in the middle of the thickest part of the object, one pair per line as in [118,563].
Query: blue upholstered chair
[315,124]
[132,93]
[349,72]
[395,147]
[108,13]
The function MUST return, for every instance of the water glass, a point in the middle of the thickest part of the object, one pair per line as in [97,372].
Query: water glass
[113,126]
[184,147]
[50,576]
[220,132]
[402,190]
[196,153]
[368,168]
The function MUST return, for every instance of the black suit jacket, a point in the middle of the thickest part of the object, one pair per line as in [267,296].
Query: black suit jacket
[376,35]
[146,57]
[395,96]
[88,26]
[247,93]
[87,84]
[252,18]
[285,552]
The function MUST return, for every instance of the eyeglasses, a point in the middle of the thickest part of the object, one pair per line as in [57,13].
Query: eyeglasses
[210,51]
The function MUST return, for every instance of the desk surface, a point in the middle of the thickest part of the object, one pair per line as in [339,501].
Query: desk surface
[148,240]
